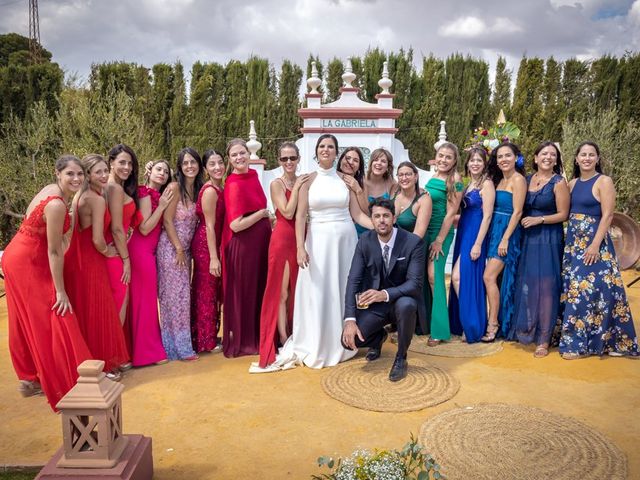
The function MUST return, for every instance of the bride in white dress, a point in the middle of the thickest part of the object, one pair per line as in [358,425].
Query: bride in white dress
[324,260]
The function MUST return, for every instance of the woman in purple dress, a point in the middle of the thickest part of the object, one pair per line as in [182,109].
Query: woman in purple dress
[174,257]
[245,244]
[154,197]
[206,286]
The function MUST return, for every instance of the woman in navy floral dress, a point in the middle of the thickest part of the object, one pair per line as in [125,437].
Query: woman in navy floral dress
[597,318]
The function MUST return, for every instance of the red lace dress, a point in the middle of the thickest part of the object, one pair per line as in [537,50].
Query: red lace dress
[87,282]
[44,346]
[206,289]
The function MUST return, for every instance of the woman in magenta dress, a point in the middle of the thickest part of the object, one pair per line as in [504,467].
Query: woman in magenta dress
[86,273]
[45,341]
[277,304]
[206,285]
[142,316]
[122,197]
[174,257]
[245,246]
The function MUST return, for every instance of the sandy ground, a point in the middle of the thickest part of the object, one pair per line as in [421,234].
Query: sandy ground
[212,420]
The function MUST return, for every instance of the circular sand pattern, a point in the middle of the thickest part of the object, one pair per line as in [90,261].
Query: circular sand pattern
[454,348]
[366,385]
[490,441]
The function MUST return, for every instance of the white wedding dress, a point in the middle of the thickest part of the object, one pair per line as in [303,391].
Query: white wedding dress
[320,289]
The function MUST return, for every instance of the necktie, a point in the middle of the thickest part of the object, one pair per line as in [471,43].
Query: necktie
[385,256]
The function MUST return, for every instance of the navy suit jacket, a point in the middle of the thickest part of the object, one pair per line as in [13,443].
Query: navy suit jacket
[405,275]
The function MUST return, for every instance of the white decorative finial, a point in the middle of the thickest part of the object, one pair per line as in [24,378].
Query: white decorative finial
[348,76]
[253,145]
[313,82]
[385,82]
[442,135]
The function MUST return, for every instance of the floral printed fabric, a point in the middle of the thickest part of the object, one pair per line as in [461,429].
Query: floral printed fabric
[597,318]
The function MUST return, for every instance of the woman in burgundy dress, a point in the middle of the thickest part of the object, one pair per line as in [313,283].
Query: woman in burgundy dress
[206,285]
[245,246]
[143,317]
[122,197]
[45,341]
[86,274]
[277,304]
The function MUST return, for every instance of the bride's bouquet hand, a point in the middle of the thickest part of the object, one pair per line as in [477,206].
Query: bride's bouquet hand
[303,258]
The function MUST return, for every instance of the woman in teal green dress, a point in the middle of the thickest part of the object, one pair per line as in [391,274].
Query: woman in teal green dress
[413,208]
[445,188]
[379,181]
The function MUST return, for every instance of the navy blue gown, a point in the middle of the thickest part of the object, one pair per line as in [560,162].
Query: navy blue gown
[539,282]
[597,318]
[468,313]
[502,212]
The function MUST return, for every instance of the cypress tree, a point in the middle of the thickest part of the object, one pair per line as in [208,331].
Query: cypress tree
[335,69]
[527,109]
[553,105]
[605,82]
[501,91]
[372,66]
[576,85]
[629,97]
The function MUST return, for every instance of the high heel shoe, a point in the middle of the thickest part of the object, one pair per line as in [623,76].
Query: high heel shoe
[490,336]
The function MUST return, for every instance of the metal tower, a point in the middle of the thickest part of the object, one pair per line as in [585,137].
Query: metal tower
[34,32]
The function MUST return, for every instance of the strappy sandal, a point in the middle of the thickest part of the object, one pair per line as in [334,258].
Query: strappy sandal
[29,389]
[572,355]
[490,336]
[541,351]
[432,342]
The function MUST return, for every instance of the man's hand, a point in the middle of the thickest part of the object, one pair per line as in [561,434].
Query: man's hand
[372,296]
[349,332]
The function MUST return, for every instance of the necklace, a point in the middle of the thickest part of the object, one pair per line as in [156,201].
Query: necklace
[403,207]
[288,183]
[541,180]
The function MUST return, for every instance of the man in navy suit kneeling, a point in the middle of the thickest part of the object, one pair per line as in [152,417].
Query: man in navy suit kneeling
[387,272]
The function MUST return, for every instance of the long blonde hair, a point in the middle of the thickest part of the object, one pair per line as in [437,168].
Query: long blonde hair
[451,174]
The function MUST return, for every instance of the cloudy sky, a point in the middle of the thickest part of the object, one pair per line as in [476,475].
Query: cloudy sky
[79,32]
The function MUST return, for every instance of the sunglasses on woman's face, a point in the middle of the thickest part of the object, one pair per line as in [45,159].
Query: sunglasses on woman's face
[288,159]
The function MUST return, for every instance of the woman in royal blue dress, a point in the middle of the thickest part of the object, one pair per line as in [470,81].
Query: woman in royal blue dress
[597,318]
[538,285]
[467,299]
[506,168]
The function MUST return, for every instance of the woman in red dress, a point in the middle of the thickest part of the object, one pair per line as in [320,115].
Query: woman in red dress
[122,197]
[86,273]
[45,341]
[154,197]
[277,303]
[245,246]
[206,287]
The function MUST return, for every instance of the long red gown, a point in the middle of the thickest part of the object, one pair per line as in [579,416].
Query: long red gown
[206,289]
[282,250]
[131,217]
[244,265]
[44,346]
[90,293]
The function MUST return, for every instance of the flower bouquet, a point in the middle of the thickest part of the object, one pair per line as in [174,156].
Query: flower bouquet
[490,138]
[410,463]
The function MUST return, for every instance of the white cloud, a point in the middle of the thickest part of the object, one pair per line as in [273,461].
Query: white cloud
[464,27]
[474,27]
[634,13]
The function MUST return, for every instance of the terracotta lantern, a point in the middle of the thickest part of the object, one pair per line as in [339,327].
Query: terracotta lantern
[92,420]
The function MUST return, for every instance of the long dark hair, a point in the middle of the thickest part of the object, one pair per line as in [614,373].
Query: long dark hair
[410,165]
[130,185]
[576,167]
[494,171]
[359,174]
[557,168]
[483,154]
[182,181]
